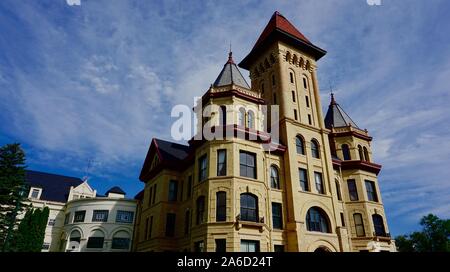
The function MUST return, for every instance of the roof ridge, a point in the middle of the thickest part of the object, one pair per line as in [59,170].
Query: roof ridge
[52,174]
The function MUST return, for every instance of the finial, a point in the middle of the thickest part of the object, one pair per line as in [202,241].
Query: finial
[230,56]
[333,102]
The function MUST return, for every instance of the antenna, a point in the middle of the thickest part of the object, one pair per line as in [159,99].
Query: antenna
[88,168]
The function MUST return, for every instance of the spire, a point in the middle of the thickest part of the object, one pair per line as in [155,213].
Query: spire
[337,117]
[230,74]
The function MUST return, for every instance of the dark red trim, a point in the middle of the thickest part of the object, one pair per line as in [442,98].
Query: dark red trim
[232,92]
[351,133]
[362,165]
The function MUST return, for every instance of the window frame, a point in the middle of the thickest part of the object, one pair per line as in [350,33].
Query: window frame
[277,215]
[246,165]
[79,213]
[352,190]
[247,212]
[203,168]
[121,213]
[304,185]
[173,191]
[360,225]
[221,206]
[315,149]
[100,212]
[221,165]
[318,181]
[371,190]
[274,177]
[170,225]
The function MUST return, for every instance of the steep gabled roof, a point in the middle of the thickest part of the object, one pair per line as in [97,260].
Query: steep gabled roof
[337,117]
[279,28]
[54,187]
[230,74]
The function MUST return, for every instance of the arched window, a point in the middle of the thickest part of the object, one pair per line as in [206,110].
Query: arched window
[288,56]
[121,240]
[250,119]
[305,83]
[317,220]
[315,149]
[96,239]
[274,177]
[221,206]
[300,144]
[291,76]
[249,207]
[346,152]
[378,225]
[338,190]
[366,154]
[223,116]
[359,225]
[200,209]
[360,151]
[74,241]
[241,117]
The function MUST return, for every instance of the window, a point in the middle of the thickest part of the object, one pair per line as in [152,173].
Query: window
[309,119]
[66,218]
[51,222]
[222,162]
[277,217]
[96,240]
[319,183]
[317,220]
[173,190]
[189,186]
[273,80]
[249,207]
[338,190]
[221,245]
[371,191]
[275,98]
[221,206]
[121,240]
[150,227]
[293,96]
[315,149]
[223,116]
[100,216]
[366,154]
[295,115]
[250,119]
[79,216]
[359,225]
[124,217]
[361,154]
[150,196]
[247,164]
[199,246]
[278,248]
[200,209]
[305,84]
[241,117]
[342,220]
[300,144]
[202,167]
[352,191]
[303,176]
[170,224]
[154,195]
[346,152]
[45,246]
[291,77]
[249,246]
[187,217]
[378,225]
[75,236]
[307,101]
[35,193]
[274,177]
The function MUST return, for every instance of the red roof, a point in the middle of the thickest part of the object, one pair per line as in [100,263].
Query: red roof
[278,21]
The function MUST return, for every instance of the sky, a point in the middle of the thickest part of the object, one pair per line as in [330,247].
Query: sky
[85,85]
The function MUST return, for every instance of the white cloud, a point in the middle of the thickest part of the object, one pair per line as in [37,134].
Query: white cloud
[73,2]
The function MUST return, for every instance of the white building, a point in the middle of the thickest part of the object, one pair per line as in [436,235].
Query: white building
[80,219]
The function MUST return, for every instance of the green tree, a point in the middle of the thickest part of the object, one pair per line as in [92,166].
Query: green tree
[12,191]
[434,236]
[31,232]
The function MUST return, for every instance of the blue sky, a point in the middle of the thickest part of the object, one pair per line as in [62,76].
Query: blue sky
[97,81]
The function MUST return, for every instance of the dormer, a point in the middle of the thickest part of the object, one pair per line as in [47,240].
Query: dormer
[35,193]
[115,192]
[81,191]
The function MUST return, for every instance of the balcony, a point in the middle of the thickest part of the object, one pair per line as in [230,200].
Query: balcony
[382,237]
[258,222]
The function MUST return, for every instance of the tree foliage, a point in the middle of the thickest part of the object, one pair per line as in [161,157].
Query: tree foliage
[12,190]
[434,236]
[31,232]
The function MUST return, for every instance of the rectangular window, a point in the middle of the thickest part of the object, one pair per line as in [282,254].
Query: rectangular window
[221,206]
[352,191]
[187,221]
[221,245]
[146,229]
[273,80]
[150,196]
[303,179]
[202,168]
[359,225]
[293,96]
[305,84]
[249,246]
[307,101]
[275,98]
[295,115]
[170,224]
[291,77]
[150,228]
[124,217]
[173,190]
[277,217]
[66,218]
[95,242]
[371,191]
[199,246]
[154,194]
[222,162]
[319,182]
[51,222]
[120,243]
[338,190]
[247,163]
[189,186]
[79,216]
[100,216]
[278,248]
[45,246]
[309,119]
[342,220]
[35,193]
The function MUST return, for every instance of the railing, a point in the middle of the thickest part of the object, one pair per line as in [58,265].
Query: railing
[384,235]
[258,219]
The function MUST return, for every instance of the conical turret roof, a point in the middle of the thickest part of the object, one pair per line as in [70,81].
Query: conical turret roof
[230,74]
[337,117]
